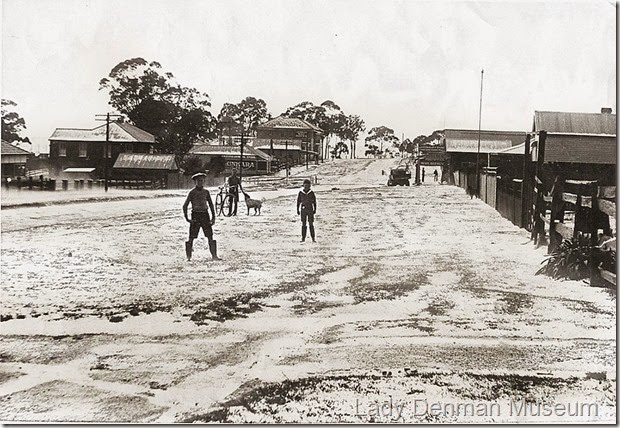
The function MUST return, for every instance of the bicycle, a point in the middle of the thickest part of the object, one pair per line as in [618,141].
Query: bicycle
[224,202]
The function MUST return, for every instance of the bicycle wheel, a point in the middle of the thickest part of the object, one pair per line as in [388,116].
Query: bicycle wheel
[219,203]
[227,205]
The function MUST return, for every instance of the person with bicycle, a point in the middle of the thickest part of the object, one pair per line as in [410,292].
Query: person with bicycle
[200,198]
[234,182]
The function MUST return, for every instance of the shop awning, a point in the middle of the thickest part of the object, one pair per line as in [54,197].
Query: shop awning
[82,170]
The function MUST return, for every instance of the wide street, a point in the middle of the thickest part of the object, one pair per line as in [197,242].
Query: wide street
[410,293]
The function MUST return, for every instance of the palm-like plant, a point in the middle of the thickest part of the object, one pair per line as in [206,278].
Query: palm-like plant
[568,261]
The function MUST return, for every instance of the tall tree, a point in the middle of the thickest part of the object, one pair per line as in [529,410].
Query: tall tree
[12,124]
[152,100]
[354,125]
[250,113]
[334,122]
[308,112]
[380,139]
[339,149]
[407,146]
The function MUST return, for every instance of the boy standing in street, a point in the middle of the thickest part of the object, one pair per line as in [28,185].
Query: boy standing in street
[306,206]
[201,202]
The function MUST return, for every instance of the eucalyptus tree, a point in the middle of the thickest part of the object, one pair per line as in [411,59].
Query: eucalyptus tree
[152,100]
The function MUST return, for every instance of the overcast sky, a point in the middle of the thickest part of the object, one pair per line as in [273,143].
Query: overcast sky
[412,66]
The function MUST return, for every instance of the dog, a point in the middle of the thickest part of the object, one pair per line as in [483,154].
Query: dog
[472,191]
[252,203]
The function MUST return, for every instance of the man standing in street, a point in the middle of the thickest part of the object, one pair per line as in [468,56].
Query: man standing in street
[201,202]
[233,187]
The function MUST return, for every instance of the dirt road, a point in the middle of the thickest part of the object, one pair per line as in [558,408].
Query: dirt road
[411,295]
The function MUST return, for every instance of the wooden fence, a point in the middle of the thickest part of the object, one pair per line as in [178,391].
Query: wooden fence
[509,199]
[505,194]
[576,208]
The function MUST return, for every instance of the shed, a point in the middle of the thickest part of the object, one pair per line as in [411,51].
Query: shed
[13,160]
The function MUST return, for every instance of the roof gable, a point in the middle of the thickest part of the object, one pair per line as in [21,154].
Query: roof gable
[119,133]
[575,123]
[9,149]
[290,123]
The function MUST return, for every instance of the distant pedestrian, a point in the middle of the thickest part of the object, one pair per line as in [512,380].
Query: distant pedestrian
[200,198]
[435,175]
[306,207]
[423,172]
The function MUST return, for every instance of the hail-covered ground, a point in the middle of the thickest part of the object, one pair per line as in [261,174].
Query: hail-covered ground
[416,304]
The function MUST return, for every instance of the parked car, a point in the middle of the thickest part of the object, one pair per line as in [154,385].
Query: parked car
[399,176]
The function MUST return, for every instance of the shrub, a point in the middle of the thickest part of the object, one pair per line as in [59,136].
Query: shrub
[568,261]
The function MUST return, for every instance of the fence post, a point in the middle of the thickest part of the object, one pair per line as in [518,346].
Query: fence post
[513,191]
[557,213]
[595,275]
[30,183]
[65,184]
[538,230]
[526,200]
[579,213]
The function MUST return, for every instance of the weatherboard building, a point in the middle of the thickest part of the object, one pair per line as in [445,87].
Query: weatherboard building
[80,152]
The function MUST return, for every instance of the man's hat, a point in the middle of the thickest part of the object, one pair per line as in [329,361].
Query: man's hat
[198,174]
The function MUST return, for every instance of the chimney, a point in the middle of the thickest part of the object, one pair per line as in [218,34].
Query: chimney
[606,110]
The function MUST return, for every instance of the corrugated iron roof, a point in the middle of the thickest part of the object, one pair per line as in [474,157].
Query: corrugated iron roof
[139,134]
[9,149]
[146,161]
[289,122]
[119,133]
[575,123]
[219,150]
[580,149]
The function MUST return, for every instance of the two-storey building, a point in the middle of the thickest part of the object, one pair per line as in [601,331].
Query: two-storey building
[290,140]
[82,150]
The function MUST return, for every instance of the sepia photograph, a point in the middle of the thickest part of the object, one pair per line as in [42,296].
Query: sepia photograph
[308,212]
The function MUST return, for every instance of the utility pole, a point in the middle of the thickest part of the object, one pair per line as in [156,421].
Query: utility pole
[479,128]
[417,164]
[286,156]
[241,157]
[100,117]
[271,153]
